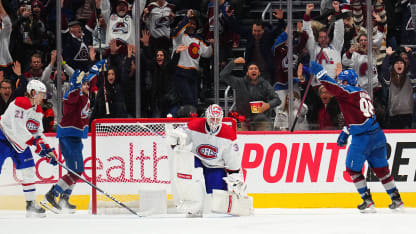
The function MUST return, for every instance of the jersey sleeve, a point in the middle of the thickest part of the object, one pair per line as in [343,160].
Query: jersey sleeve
[20,123]
[232,156]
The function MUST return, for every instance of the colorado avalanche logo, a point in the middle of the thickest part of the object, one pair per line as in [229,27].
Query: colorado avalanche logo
[85,111]
[32,126]
[162,22]
[193,50]
[207,151]
[120,28]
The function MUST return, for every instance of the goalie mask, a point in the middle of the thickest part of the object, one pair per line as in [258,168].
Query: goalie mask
[349,76]
[214,115]
[36,85]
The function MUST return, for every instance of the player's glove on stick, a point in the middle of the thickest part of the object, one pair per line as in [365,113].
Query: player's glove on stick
[44,150]
[317,69]
[96,69]
[343,137]
[235,183]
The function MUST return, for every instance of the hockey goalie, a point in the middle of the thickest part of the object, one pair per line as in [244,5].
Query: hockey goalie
[207,167]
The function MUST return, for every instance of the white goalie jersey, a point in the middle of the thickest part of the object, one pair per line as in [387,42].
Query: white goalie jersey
[219,150]
[21,122]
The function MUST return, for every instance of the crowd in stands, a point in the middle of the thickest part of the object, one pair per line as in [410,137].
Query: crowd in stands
[176,56]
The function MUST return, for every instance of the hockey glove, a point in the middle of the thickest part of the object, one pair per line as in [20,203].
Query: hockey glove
[76,79]
[343,137]
[235,183]
[44,150]
[317,69]
[99,66]
[175,136]
[96,69]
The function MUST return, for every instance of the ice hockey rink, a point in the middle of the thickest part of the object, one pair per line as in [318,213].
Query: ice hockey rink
[302,221]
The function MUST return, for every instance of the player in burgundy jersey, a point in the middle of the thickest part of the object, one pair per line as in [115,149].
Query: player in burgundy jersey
[368,142]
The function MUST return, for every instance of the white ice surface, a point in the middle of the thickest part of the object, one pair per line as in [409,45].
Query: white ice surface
[293,221]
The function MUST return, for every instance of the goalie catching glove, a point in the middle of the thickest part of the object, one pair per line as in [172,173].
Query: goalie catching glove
[44,150]
[235,183]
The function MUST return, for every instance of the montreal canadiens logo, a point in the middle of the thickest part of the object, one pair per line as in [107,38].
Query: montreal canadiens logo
[193,50]
[207,151]
[32,126]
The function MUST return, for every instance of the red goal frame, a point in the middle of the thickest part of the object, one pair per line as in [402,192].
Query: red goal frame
[94,136]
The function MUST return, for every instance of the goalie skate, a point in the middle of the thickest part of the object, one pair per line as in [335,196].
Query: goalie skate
[33,210]
[50,202]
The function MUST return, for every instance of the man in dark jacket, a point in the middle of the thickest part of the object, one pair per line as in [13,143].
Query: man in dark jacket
[252,88]
[260,40]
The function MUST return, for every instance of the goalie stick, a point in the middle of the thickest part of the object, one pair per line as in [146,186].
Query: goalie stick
[96,188]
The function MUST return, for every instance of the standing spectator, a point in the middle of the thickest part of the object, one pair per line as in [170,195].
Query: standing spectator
[49,78]
[356,58]
[400,101]
[5,94]
[228,38]
[187,78]
[111,96]
[368,141]
[158,17]
[5,31]
[120,23]
[77,43]
[164,96]
[322,50]
[71,130]
[324,111]
[253,87]
[379,21]
[34,73]
[282,115]
[259,41]
[29,33]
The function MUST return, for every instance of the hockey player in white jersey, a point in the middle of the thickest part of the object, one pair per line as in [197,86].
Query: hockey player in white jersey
[21,127]
[207,164]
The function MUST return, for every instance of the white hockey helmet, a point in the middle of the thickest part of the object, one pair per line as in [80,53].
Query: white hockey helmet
[214,115]
[36,85]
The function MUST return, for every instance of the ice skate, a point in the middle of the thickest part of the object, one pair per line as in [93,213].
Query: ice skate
[65,205]
[194,214]
[368,204]
[397,202]
[33,210]
[50,202]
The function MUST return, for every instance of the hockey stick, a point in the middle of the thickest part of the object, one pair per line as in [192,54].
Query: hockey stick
[107,107]
[301,104]
[51,155]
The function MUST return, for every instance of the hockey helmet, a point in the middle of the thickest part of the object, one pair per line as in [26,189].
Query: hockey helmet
[36,85]
[348,75]
[214,115]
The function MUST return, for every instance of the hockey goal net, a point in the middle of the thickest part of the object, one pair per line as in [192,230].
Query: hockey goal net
[130,155]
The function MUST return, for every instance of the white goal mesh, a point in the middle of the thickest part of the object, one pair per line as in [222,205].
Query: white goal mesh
[129,155]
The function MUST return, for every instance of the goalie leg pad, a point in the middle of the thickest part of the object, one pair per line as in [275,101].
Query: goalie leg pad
[228,203]
[188,182]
